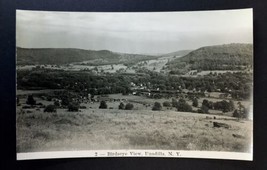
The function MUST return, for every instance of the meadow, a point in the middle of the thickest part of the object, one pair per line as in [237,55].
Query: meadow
[99,129]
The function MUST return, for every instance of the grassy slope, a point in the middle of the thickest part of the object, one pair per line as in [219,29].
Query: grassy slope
[94,129]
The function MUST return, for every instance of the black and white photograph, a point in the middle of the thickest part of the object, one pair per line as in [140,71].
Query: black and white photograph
[134,84]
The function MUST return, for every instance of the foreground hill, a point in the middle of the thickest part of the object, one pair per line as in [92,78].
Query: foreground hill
[219,57]
[68,55]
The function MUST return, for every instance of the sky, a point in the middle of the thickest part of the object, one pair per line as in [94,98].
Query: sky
[135,32]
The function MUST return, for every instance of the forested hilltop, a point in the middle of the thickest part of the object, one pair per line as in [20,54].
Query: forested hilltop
[219,57]
[38,56]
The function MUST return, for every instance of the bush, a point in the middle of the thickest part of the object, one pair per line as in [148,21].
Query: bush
[30,100]
[204,109]
[208,104]
[183,106]
[56,103]
[73,107]
[166,104]
[50,108]
[241,113]
[157,106]
[82,107]
[195,102]
[65,101]
[129,106]
[103,105]
[174,103]
[236,114]
[121,106]
[199,111]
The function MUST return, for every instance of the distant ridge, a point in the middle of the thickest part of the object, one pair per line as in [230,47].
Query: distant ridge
[26,56]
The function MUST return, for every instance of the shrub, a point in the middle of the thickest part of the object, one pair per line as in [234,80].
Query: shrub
[195,102]
[30,100]
[242,112]
[56,103]
[129,106]
[103,105]
[50,108]
[82,107]
[207,103]
[121,106]
[166,104]
[183,106]
[204,109]
[157,106]
[73,107]
[224,106]
[65,101]
[174,103]
[236,114]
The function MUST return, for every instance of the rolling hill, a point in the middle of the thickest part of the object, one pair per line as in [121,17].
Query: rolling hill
[177,53]
[27,56]
[219,57]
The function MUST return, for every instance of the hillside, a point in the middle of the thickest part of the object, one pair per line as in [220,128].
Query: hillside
[68,55]
[177,53]
[219,57]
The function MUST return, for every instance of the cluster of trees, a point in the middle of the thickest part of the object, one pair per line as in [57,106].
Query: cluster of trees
[224,106]
[241,111]
[128,106]
[181,105]
[122,106]
[80,82]
[236,84]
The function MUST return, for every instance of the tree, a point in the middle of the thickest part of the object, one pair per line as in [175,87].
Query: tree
[50,108]
[195,102]
[103,105]
[241,112]
[183,106]
[73,107]
[236,114]
[232,105]
[65,101]
[207,103]
[30,100]
[56,103]
[121,106]
[129,106]
[166,104]
[174,102]
[204,109]
[157,106]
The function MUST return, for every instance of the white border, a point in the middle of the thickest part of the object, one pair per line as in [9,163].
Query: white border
[136,153]
[144,153]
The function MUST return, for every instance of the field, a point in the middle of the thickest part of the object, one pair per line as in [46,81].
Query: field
[97,129]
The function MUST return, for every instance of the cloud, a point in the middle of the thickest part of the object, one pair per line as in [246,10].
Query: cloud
[132,32]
